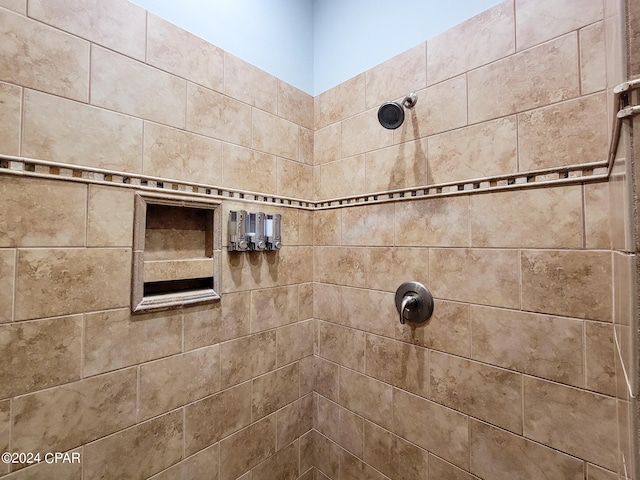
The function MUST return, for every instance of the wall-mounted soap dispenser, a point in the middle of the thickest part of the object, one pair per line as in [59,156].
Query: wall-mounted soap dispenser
[272,231]
[238,231]
[255,231]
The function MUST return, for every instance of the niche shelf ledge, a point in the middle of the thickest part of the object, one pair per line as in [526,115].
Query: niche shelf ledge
[177,252]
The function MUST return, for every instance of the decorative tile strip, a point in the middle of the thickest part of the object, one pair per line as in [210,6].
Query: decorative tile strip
[581,173]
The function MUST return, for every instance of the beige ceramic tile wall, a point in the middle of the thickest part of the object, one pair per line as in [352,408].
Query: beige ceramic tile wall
[189,385]
[497,94]
[202,392]
[522,325]
[146,97]
[515,374]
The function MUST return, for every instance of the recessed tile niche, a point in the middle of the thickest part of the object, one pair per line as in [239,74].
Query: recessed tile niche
[176,259]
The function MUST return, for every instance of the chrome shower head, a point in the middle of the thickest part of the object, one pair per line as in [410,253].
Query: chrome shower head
[391,114]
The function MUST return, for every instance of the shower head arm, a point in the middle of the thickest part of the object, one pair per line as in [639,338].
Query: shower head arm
[410,100]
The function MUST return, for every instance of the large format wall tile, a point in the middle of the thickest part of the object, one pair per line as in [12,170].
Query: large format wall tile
[393,455]
[482,391]
[440,108]
[117,339]
[62,281]
[295,179]
[477,151]
[344,346]
[247,448]
[178,380]
[564,134]
[203,464]
[239,161]
[369,309]
[440,469]
[541,345]
[399,166]
[39,354]
[340,425]
[149,447]
[433,427]
[68,416]
[203,325]
[7,279]
[370,225]
[215,115]
[179,52]
[558,17]
[247,357]
[499,455]
[388,267]
[400,364]
[19,6]
[127,86]
[283,465]
[274,135]
[249,84]
[593,70]
[119,25]
[176,154]
[341,266]
[396,77]
[341,178]
[56,62]
[460,274]
[327,144]
[109,140]
[10,115]
[295,105]
[433,222]
[213,418]
[488,36]
[340,102]
[352,468]
[448,330]
[294,420]
[42,213]
[367,397]
[363,133]
[571,420]
[295,342]
[549,218]
[600,357]
[110,217]
[597,210]
[530,79]
[274,307]
[274,390]
[571,283]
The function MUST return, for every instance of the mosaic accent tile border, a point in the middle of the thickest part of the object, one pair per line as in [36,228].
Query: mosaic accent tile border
[581,173]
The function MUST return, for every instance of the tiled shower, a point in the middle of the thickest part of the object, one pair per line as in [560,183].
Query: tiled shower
[495,193]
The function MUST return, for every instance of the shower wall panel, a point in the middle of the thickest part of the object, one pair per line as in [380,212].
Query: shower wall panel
[209,391]
[514,377]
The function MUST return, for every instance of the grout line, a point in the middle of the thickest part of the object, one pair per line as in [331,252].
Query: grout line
[583,191]
[13,286]
[83,340]
[22,115]
[585,376]
[137,394]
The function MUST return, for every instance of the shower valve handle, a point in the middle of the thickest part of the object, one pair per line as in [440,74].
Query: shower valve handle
[408,302]
[414,302]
